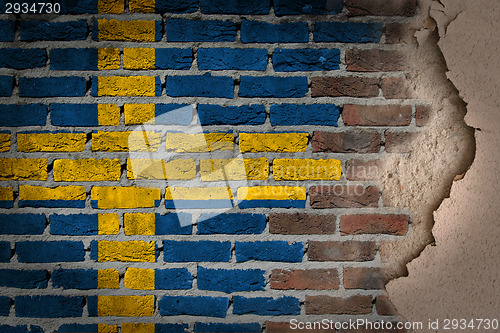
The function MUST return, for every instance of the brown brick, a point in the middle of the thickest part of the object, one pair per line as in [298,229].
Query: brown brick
[345,86]
[343,196]
[284,327]
[399,142]
[391,224]
[384,306]
[376,115]
[374,60]
[323,304]
[381,7]
[363,278]
[346,142]
[422,115]
[316,279]
[397,33]
[363,169]
[396,88]
[341,251]
[302,224]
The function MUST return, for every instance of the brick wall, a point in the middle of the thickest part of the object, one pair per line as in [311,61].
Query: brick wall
[115,214]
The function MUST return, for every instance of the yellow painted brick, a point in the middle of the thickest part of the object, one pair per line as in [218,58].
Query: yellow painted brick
[178,169]
[109,224]
[23,169]
[234,169]
[141,279]
[126,306]
[108,115]
[198,193]
[87,170]
[136,114]
[139,223]
[110,197]
[306,169]
[126,31]
[6,194]
[272,193]
[129,251]
[51,142]
[111,6]
[257,168]
[143,86]
[29,192]
[273,142]
[108,58]
[105,328]
[138,328]
[4,142]
[139,58]
[145,141]
[141,6]
[108,279]
[198,143]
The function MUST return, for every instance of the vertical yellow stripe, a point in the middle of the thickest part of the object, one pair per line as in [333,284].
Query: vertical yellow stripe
[139,223]
[108,115]
[136,114]
[104,328]
[111,6]
[141,6]
[108,224]
[108,279]
[138,58]
[140,279]
[108,58]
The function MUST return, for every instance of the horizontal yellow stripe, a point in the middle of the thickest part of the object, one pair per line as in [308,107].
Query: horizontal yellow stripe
[6,193]
[198,193]
[145,141]
[179,169]
[126,306]
[273,142]
[234,169]
[28,192]
[23,169]
[51,142]
[272,193]
[305,169]
[87,170]
[109,197]
[198,143]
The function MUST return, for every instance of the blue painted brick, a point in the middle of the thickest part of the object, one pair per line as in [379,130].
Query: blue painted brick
[74,114]
[230,280]
[173,58]
[78,328]
[5,252]
[231,224]
[24,279]
[302,114]
[23,58]
[227,328]
[173,114]
[74,59]
[269,251]
[271,86]
[178,251]
[266,306]
[181,30]
[75,279]
[40,251]
[194,306]
[66,86]
[255,7]
[4,306]
[171,328]
[237,59]
[79,7]
[231,115]
[49,306]
[299,7]
[6,85]
[173,224]
[293,60]
[263,32]
[347,32]
[74,224]
[23,115]
[22,224]
[175,278]
[7,30]
[200,86]
[20,329]
[53,31]
[178,6]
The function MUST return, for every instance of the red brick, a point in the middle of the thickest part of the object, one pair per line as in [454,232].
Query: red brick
[344,196]
[346,142]
[302,224]
[363,278]
[422,115]
[397,33]
[323,304]
[396,88]
[345,86]
[381,7]
[363,169]
[400,142]
[384,306]
[284,327]
[374,60]
[316,279]
[391,224]
[376,115]
[341,251]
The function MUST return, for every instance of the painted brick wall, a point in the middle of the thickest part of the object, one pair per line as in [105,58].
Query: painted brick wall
[115,215]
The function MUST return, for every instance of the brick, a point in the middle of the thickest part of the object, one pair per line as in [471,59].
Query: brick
[396,88]
[341,251]
[234,169]
[6,197]
[139,278]
[174,58]
[20,328]
[142,86]
[201,251]
[280,251]
[231,224]
[74,114]
[258,7]
[48,306]
[272,86]
[346,142]
[80,7]
[363,278]
[145,141]
[174,278]
[362,170]
[55,251]
[5,251]
[29,142]
[74,224]
[198,143]
[344,196]
[400,142]
[299,7]
[195,306]
[164,6]
[422,115]
[66,86]
[23,169]
[111,197]
[121,306]
[296,60]
[349,86]
[384,306]
[22,58]
[373,60]
[53,31]
[111,6]
[137,327]
[266,306]
[158,114]
[231,115]
[230,280]
[74,279]
[182,30]
[232,59]
[72,328]
[355,305]
[286,327]
[306,169]
[108,279]
[221,327]
[303,114]
[177,169]
[69,59]
[23,115]
[5,305]
[5,141]
[56,197]
[141,6]
[168,224]
[127,31]
[87,170]
[377,115]
[391,224]
[381,8]
[315,279]
[128,251]
[273,142]
[24,279]
[139,224]
[263,32]
[300,224]
[200,86]
[347,32]
[22,224]
[272,197]
[6,85]
[198,197]
[7,30]
[108,58]
[397,33]
[138,58]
